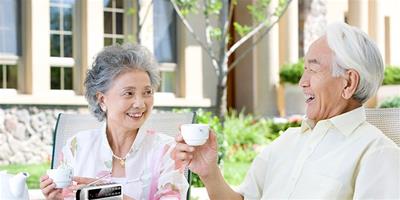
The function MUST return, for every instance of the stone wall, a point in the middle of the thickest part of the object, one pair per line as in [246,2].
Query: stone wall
[26,132]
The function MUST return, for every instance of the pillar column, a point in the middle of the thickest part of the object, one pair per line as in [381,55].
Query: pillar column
[89,39]
[191,63]
[289,34]
[376,24]
[358,14]
[266,72]
[288,46]
[376,31]
[36,17]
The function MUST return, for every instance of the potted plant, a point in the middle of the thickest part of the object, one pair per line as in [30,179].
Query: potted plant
[290,75]
[391,83]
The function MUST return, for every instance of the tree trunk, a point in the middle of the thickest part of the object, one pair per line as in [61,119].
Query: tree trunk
[221,98]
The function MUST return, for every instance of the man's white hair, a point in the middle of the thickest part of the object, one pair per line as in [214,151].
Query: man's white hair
[354,50]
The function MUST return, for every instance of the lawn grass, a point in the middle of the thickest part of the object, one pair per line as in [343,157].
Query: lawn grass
[35,172]
[235,172]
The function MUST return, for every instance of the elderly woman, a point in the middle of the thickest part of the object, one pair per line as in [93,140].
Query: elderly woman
[119,89]
[335,154]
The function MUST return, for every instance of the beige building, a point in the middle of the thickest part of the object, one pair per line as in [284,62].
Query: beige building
[53,43]
[46,46]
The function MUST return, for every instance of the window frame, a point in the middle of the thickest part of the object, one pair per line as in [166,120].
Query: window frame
[114,10]
[62,61]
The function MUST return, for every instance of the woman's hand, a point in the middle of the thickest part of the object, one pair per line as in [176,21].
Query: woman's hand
[200,159]
[49,189]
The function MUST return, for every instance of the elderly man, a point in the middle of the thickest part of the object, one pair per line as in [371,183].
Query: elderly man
[335,154]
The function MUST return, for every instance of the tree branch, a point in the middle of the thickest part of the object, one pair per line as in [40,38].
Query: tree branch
[254,31]
[228,21]
[191,31]
[231,66]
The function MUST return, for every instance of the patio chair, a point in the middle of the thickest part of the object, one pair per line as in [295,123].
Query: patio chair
[69,124]
[387,120]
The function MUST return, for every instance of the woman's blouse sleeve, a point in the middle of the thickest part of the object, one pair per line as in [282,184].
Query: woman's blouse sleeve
[172,183]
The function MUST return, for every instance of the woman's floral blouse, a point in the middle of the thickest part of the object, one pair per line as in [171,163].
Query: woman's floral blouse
[150,171]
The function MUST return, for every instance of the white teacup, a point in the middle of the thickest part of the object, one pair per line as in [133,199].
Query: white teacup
[195,134]
[61,177]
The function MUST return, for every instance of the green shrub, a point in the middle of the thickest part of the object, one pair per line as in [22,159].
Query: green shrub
[392,102]
[392,75]
[291,73]
[244,134]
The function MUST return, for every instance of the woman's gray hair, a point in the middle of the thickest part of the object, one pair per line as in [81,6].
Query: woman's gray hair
[354,50]
[110,63]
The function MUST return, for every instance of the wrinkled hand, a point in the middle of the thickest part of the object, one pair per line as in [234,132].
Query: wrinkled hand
[199,159]
[49,189]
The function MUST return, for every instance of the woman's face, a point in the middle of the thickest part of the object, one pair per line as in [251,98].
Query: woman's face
[129,100]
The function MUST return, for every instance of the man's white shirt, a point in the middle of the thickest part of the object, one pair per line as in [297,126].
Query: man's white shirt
[343,157]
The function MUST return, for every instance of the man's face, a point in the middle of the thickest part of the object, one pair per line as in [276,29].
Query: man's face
[322,91]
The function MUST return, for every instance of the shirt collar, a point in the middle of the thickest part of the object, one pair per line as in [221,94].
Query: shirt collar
[307,124]
[136,144]
[345,123]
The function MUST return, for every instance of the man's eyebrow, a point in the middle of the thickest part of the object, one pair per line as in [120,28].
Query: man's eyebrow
[313,61]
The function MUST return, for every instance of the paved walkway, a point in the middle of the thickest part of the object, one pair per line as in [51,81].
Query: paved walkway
[196,194]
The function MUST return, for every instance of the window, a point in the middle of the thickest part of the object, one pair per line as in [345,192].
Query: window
[61,44]
[164,23]
[164,34]
[113,22]
[8,76]
[61,78]
[61,28]
[9,27]
[10,48]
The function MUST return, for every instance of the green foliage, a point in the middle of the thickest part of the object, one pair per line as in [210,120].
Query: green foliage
[242,30]
[243,134]
[258,10]
[281,7]
[234,172]
[215,33]
[35,172]
[213,7]
[186,6]
[204,117]
[291,73]
[131,11]
[392,75]
[392,102]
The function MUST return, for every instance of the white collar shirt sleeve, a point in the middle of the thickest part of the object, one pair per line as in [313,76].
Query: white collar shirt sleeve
[344,157]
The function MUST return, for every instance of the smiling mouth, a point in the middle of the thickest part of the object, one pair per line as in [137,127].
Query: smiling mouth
[309,98]
[135,116]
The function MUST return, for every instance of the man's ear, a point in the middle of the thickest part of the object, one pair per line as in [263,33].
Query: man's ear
[352,80]
[101,100]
